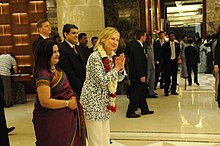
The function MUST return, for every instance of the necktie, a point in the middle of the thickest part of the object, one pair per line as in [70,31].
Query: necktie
[173,53]
[74,49]
[161,42]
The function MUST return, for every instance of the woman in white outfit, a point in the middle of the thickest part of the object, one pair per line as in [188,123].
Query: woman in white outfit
[103,71]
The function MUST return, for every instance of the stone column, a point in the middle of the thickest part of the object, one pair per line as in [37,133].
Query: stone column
[148,16]
[87,15]
[153,15]
[212,16]
[158,15]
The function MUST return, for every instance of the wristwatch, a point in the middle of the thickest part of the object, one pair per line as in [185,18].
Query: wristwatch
[67,103]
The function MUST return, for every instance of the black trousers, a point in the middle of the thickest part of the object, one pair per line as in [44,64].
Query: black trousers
[162,75]
[138,98]
[171,71]
[209,63]
[4,141]
[218,98]
[193,67]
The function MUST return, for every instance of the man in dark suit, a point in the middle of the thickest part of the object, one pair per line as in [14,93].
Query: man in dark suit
[44,28]
[192,60]
[159,68]
[4,141]
[138,76]
[93,41]
[83,41]
[70,59]
[170,53]
[217,64]
[127,52]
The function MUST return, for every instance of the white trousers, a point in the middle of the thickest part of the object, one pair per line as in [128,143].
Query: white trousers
[98,132]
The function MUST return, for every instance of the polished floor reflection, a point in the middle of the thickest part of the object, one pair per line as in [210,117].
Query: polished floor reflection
[190,119]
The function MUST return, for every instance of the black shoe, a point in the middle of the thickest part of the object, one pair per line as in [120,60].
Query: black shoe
[147,113]
[177,84]
[153,96]
[10,129]
[190,84]
[132,116]
[166,94]
[197,84]
[111,141]
[174,93]
[155,93]
[8,106]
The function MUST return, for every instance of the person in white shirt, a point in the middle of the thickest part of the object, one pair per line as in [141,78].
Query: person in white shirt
[7,62]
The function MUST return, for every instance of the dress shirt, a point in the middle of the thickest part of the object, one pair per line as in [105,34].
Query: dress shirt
[141,43]
[72,46]
[161,42]
[173,53]
[44,36]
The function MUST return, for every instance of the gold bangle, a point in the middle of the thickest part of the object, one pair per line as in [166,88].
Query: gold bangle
[67,103]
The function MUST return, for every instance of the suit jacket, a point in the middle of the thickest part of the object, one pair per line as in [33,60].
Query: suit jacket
[217,53]
[35,43]
[73,66]
[128,47]
[137,62]
[157,50]
[86,52]
[166,52]
[191,55]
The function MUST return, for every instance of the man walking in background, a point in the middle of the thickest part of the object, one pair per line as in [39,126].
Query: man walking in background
[192,60]
[170,53]
[138,76]
[159,68]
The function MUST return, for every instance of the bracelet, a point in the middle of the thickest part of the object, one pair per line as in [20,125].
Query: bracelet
[67,103]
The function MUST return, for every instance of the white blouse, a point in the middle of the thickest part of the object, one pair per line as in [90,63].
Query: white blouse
[95,94]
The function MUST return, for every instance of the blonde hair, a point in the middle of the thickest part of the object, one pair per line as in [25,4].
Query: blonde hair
[104,35]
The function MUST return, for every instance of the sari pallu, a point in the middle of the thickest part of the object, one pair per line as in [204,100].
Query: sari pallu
[58,127]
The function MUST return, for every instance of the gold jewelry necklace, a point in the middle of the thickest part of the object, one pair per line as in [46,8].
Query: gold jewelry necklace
[53,70]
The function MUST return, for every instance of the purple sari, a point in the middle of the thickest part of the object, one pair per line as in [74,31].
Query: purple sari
[58,127]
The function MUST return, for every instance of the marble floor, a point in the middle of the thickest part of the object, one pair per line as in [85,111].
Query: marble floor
[190,119]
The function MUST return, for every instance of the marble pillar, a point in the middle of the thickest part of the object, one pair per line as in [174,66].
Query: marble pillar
[212,18]
[52,15]
[87,15]
[153,15]
[158,16]
[124,15]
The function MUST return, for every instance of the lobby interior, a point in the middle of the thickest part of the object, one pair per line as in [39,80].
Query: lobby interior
[188,119]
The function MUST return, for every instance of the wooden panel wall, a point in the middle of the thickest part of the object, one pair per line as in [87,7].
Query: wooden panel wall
[18,29]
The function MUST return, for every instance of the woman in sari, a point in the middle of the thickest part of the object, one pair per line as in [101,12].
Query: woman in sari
[57,116]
